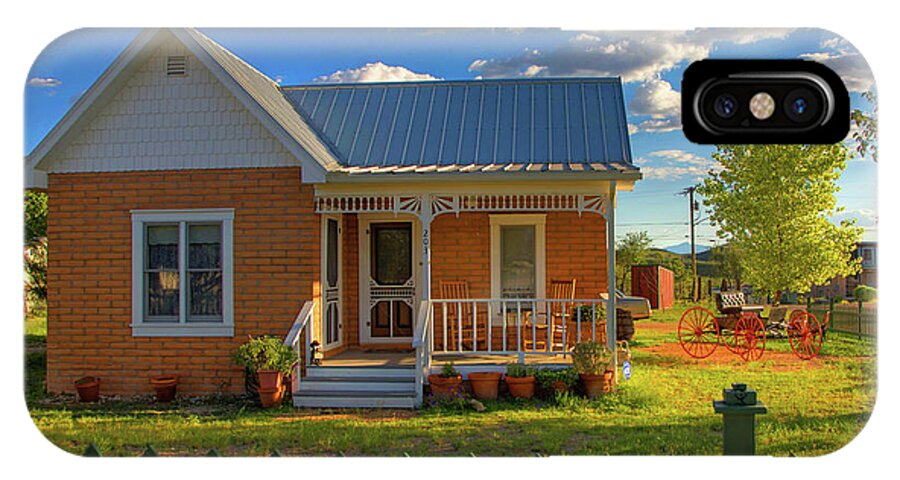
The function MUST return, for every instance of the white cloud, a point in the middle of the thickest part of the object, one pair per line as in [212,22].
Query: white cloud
[374,72]
[635,56]
[674,164]
[656,98]
[660,125]
[865,217]
[851,66]
[44,82]
[534,71]
[846,61]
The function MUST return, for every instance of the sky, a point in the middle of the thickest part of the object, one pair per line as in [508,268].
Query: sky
[649,63]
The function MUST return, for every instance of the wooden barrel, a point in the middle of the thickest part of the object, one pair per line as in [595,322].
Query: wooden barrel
[624,325]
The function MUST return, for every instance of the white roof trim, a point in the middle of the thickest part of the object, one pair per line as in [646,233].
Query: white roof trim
[313,169]
[34,161]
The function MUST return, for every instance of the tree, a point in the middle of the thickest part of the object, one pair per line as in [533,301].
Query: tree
[728,264]
[774,203]
[866,134]
[35,248]
[631,250]
[35,215]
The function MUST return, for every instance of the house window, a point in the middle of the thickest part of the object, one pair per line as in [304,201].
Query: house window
[517,256]
[868,257]
[182,273]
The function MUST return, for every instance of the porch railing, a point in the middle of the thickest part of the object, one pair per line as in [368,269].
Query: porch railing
[505,326]
[300,342]
[423,339]
[515,326]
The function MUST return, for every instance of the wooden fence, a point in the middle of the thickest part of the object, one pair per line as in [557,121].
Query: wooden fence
[856,318]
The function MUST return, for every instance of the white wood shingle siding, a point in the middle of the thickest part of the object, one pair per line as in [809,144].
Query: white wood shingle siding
[157,122]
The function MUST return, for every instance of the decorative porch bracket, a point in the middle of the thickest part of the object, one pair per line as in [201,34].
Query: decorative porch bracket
[430,205]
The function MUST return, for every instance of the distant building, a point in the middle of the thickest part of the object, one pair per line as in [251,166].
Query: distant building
[843,286]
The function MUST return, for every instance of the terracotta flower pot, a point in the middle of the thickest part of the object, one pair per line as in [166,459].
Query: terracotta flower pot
[165,387]
[271,397]
[88,389]
[596,385]
[485,385]
[269,379]
[521,387]
[445,386]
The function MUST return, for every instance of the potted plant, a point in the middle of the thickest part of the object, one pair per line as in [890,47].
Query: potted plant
[520,380]
[164,386]
[268,358]
[485,385]
[591,360]
[88,389]
[447,383]
[559,380]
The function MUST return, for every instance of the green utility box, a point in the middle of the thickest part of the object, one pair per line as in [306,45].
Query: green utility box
[739,409]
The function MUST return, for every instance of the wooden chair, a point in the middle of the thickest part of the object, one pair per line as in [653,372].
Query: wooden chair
[538,332]
[459,290]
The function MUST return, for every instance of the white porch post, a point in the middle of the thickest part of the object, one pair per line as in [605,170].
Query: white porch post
[611,275]
[426,217]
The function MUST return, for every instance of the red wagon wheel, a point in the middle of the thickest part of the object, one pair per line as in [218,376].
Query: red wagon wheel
[698,332]
[806,334]
[750,337]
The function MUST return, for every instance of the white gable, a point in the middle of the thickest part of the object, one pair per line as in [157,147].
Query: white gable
[157,122]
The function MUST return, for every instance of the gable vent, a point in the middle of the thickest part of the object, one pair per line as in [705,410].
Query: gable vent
[176,66]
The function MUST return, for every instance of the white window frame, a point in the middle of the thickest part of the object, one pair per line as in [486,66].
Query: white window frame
[141,328]
[539,221]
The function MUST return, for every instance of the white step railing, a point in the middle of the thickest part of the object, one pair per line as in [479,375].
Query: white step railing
[296,339]
[503,327]
[423,341]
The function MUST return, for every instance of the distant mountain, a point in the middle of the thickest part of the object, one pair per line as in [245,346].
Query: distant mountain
[684,248]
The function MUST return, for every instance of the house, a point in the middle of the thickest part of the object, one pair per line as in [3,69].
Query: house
[842,287]
[194,202]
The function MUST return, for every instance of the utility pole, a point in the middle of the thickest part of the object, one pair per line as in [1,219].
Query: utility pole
[689,191]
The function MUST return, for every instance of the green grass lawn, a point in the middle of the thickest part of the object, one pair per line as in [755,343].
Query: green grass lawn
[665,409]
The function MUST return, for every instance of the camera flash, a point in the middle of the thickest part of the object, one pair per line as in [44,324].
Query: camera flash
[762,105]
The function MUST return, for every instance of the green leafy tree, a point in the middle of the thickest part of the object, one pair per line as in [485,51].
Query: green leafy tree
[866,134]
[35,248]
[774,203]
[728,265]
[35,216]
[631,250]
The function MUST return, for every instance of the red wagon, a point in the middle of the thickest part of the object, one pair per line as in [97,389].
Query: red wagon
[743,330]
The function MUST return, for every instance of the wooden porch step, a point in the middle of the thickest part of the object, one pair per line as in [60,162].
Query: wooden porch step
[362,384]
[357,387]
[360,372]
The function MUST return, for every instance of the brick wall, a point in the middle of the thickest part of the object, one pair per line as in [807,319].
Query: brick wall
[575,248]
[276,268]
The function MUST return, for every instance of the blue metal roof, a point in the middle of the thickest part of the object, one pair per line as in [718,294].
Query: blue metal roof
[532,124]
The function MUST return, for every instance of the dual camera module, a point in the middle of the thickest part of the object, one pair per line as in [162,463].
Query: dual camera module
[763,101]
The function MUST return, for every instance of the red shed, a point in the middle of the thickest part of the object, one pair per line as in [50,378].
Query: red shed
[654,283]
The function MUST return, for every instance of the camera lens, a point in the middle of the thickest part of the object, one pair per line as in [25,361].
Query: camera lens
[725,105]
[801,105]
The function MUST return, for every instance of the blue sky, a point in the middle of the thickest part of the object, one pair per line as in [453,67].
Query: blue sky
[650,64]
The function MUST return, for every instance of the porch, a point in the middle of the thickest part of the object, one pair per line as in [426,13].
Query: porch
[411,281]
[358,357]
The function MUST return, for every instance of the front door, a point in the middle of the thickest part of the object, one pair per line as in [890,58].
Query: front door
[332,324]
[389,281]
